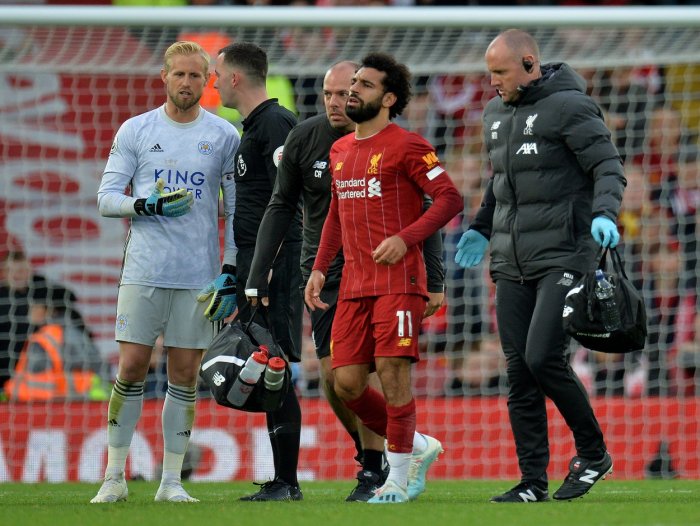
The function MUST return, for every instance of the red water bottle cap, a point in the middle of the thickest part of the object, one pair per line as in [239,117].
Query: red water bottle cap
[260,357]
[265,350]
[276,363]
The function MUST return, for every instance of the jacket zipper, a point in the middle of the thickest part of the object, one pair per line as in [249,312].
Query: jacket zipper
[511,183]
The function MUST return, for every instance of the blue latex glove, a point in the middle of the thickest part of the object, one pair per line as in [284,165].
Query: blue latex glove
[222,292]
[172,204]
[605,232]
[470,249]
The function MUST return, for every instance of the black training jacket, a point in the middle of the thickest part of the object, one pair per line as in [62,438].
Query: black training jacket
[554,169]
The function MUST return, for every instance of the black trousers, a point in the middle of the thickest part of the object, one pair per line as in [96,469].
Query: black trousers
[286,300]
[286,311]
[535,344]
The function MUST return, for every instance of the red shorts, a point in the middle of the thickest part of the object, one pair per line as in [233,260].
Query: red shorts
[364,328]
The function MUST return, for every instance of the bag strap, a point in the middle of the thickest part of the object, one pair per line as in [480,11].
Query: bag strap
[601,258]
[618,265]
[254,310]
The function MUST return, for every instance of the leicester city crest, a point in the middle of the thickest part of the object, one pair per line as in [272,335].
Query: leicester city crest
[205,148]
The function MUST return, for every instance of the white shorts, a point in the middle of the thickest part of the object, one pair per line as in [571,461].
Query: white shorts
[144,313]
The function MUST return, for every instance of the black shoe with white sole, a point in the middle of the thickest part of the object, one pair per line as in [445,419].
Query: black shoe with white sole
[523,492]
[583,473]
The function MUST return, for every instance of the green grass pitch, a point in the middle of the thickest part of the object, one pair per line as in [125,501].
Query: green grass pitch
[463,503]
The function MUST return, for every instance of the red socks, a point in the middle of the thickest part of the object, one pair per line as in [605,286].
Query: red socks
[371,407]
[401,427]
[398,424]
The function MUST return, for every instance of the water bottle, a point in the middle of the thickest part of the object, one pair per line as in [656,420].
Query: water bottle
[247,378]
[605,292]
[274,374]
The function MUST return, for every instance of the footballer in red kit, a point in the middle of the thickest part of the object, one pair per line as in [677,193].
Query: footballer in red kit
[378,187]
[380,176]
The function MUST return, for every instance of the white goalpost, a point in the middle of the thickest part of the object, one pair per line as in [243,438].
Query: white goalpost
[69,76]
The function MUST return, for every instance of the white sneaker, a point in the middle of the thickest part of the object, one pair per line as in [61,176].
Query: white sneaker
[173,492]
[420,464]
[113,490]
[389,493]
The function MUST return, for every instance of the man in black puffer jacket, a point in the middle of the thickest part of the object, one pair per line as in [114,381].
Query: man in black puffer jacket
[555,192]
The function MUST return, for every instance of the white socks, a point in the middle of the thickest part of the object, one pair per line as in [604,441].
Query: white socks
[125,405]
[178,417]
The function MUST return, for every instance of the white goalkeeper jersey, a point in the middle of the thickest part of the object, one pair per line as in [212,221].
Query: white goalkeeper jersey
[172,252]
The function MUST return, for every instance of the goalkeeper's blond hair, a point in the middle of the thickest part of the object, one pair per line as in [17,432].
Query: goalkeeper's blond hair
[185,47]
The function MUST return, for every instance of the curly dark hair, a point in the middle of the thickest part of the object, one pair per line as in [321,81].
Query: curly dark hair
[397,79]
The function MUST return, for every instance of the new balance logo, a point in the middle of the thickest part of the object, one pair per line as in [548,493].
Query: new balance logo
[494,127]
[590,477]
[113,423]
[156,148]
[374,188]
[218,379]
[567,280]
[527,496]
[527,148]
[185,433]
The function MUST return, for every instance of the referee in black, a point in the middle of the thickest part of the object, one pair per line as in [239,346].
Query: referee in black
[241,70]
[305,172]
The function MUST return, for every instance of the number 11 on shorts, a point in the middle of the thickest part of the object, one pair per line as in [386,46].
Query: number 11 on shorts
[405,322]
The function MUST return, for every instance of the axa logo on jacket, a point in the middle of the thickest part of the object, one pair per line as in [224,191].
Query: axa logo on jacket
[527,148]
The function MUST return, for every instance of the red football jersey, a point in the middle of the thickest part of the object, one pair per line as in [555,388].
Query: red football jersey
[378,188]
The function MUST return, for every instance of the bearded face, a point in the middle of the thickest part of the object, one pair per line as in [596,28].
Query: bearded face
[185,80]
[361,111]
[183,98]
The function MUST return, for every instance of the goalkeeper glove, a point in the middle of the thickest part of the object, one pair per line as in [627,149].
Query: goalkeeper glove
[172,204]
[223,295]
[604,231]
[470,249]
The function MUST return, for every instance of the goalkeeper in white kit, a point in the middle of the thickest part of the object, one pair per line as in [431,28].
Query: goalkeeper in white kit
[175,161]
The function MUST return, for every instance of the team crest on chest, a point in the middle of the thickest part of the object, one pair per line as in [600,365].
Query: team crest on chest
[529,122]
[374,164]
[205,148]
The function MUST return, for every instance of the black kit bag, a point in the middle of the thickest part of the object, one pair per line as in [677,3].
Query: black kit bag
[226,356]
[582,311]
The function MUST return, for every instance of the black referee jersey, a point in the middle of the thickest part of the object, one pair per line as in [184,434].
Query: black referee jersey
[264,133]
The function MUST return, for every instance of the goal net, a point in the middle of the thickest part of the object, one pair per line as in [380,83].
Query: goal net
[69,76]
